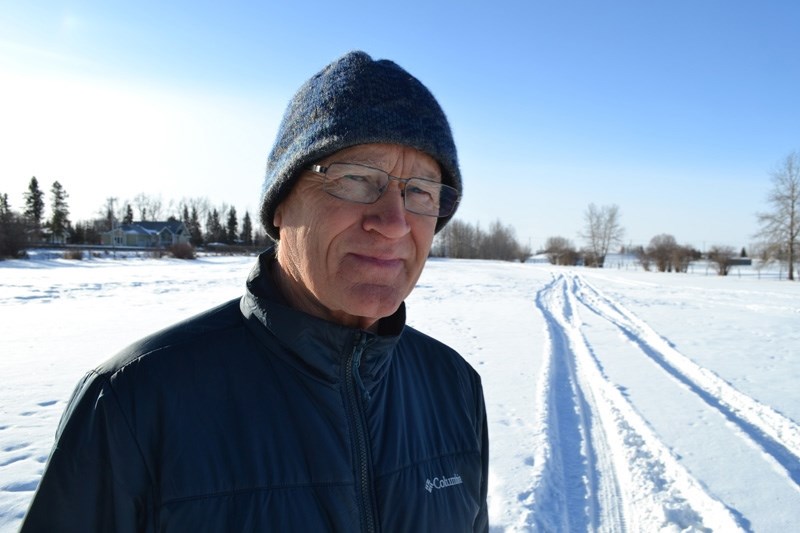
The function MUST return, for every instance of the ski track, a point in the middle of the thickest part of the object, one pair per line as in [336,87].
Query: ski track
[774,433]
[599,466]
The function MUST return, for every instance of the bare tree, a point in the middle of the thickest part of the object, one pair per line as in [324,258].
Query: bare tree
[723,258]
[667,254]
[603,230]
[560,251]
[462,240]
[458,240]
[643,257]
[149,207]
[156,208]
[682,256]
[780,227]
[764,254]
[501,243]
[200,204]
[110,214]
[660,251]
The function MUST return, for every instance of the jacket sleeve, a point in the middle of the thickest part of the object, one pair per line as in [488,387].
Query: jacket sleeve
[95,479]
[482,520]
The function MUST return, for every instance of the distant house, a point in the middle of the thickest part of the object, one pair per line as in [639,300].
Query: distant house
[45,235]
[740,261]
[147,234]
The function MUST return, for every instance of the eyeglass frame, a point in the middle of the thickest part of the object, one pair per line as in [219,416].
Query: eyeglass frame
[323,169]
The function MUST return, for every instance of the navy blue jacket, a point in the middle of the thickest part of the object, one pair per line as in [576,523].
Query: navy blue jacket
[254,416]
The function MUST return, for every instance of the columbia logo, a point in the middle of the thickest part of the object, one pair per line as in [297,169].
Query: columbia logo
[442,482]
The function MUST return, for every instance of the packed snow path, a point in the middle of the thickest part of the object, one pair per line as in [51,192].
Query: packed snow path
[601,466]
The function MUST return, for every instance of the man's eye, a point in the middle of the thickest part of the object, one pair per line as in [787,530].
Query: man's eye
[419,192]
[355,177]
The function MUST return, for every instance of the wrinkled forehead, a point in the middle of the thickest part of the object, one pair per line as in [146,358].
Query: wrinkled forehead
[386,156]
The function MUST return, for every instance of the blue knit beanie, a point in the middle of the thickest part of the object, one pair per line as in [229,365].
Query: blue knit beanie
[356,100]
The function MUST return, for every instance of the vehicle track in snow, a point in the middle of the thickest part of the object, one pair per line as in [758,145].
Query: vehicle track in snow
[600,467]
[775,434]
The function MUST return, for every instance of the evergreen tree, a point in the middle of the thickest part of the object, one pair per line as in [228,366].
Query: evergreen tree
[232,226]
[128,219]
[214,230]
[259,238]
[12,230]
[34,204]
[247,230]
[5,208]
[194,228]
[79,233]
[59,221]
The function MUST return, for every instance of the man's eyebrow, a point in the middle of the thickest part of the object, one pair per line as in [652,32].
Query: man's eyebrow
[368,161]
[379,163]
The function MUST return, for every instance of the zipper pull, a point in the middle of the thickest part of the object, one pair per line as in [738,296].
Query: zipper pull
[361,342]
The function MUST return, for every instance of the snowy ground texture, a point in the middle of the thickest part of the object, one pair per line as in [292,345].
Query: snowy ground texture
[618,400]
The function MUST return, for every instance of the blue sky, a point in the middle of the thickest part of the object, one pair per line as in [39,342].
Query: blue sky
[675,111]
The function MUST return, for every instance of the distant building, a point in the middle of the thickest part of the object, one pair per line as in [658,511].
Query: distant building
[147,234]
[45,235]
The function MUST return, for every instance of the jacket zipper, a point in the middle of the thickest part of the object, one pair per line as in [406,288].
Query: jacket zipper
[356,397]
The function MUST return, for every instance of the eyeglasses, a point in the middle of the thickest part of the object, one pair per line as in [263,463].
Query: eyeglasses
[365,185]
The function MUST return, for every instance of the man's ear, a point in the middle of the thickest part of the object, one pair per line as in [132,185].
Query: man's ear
[277,218]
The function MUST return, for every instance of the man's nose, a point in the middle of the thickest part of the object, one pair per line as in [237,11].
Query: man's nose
[388,216]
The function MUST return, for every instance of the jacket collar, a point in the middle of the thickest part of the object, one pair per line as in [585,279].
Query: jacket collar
[316,346]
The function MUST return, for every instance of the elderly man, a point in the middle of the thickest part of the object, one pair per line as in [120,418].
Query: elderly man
[307,404]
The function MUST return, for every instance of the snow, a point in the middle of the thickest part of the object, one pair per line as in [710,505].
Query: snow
[617,399]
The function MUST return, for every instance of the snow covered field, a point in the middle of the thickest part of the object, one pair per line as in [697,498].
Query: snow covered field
[618,399]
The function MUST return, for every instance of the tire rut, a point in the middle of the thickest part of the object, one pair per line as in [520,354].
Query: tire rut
[608,471]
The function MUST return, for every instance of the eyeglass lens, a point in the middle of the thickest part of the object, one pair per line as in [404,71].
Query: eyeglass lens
[363,184]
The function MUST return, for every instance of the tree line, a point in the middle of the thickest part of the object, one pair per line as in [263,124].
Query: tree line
[206,224]
[34,224]
[779,229]
[663,254]
[778,234]
[462,240]
[17,230]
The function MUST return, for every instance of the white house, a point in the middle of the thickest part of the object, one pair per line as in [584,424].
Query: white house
[147,234]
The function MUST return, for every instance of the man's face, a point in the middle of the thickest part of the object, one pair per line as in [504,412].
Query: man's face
[354,263]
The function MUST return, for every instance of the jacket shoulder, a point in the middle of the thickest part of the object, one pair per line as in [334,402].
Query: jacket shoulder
[196,329]
[434,353]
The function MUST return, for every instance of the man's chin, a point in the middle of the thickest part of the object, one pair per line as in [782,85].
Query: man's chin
[373,301]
